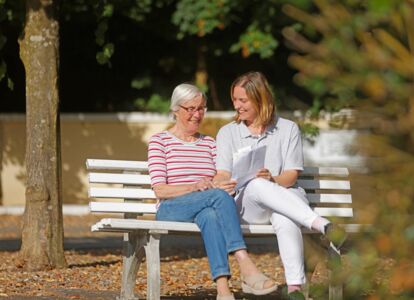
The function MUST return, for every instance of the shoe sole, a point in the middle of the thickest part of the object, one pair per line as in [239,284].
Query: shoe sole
[249,290]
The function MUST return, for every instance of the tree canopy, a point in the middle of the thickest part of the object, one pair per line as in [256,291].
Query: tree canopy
[128,55]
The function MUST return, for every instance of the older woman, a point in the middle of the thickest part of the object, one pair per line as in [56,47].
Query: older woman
[273,197]
[181,165]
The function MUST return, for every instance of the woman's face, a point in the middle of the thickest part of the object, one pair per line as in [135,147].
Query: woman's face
[243,105]
[190,114]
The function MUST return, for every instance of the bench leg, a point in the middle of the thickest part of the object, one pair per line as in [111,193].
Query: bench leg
[335,290]
[313,256]
[152,250]
[133,253]
[335,285]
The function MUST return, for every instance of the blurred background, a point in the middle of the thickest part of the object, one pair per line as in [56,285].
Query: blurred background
[344,70]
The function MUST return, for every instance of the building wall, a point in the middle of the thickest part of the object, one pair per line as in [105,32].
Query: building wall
[124,136]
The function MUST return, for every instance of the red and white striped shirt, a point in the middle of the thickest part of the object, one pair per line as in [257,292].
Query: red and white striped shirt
[173,161]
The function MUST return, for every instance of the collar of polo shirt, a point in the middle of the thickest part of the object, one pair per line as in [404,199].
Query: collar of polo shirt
[270,129]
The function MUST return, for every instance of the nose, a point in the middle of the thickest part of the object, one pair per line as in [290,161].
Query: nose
[198,114]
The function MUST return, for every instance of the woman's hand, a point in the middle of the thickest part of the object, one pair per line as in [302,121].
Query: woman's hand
[203,184]
[226,185]
[265,174]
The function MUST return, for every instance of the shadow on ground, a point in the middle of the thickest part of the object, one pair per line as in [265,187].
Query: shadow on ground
[62,294]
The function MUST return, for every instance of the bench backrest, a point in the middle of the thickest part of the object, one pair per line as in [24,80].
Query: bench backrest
[124,187]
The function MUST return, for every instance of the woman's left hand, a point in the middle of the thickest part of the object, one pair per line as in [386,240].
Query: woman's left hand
[227,186]
[265,174]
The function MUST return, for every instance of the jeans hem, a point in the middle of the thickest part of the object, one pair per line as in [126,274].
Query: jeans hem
[236,248]
[221,274]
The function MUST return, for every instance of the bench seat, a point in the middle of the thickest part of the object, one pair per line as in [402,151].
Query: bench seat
[121,186]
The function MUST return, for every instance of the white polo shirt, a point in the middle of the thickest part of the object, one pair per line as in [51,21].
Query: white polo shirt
[283,145]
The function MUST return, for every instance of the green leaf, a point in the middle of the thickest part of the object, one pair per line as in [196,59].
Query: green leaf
[108,10]
[296,295]
[10,83]
[100,32]
[140,83]
[155,103]
[101,58]
[3,41]
[409,233]
[255,41]
[3,69]
[109,50]
[380,6]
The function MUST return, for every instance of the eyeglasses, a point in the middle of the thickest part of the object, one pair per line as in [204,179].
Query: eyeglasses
[192,109]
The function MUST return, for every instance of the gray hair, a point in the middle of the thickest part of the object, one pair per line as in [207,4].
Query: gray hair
[185,92]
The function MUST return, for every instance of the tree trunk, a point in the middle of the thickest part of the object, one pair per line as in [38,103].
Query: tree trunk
[42,235]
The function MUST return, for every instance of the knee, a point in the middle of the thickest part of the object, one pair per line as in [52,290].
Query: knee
[257,189]
[258,185]
[207,215]
[283,224]
[222,196]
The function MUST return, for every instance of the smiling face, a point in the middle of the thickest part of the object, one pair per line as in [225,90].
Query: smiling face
[246,111]
[190,114]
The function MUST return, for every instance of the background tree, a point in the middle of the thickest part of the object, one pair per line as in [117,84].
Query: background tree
[42,234]
[144,48]
[360,54]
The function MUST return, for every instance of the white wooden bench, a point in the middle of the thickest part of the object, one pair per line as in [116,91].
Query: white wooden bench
[127,185]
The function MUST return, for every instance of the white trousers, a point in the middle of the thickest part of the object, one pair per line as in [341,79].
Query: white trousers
[264,202]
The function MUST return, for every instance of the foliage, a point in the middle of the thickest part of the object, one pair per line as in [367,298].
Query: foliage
[201,17]
[255,41]
[10,11]
[162,39]
[361,58]
[360,54]
[155,103]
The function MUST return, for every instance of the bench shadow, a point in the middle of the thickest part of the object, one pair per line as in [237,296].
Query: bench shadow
[210,294]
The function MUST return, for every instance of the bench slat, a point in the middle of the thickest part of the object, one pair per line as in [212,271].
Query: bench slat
[126,193]
[135,179]
[324,184]
[136,193]
[108,164]
[325,171]
[122,207]
[131,165]
[343,212]
[150,208]
[329,198]
[123,225]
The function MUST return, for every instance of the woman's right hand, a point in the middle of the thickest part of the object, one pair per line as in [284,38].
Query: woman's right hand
[203,184]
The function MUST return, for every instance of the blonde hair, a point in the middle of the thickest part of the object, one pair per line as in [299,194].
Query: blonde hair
[258,92]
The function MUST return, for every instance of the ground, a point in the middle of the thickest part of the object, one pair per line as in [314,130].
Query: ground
[94,266]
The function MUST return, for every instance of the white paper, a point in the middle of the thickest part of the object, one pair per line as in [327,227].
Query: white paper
[246,162]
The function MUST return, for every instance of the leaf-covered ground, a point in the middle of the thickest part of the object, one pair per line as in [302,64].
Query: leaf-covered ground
[94,267]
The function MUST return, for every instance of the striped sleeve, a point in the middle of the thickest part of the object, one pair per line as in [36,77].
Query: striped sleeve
[213,148]
[157,165]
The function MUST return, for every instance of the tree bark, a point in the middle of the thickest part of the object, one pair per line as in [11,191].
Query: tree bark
[42,235]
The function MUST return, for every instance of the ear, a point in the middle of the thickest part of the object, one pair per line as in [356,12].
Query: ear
[175,113]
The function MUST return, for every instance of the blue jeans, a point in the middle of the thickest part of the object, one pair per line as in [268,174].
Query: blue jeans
[214,211]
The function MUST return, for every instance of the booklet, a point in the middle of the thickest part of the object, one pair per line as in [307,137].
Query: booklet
[246,162]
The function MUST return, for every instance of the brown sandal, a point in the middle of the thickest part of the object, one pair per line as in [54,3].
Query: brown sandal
[254,284]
